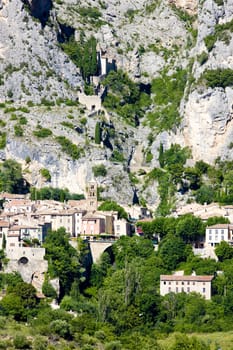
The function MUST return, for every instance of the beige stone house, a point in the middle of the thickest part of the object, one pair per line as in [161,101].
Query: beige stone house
[17,206]
[187,284]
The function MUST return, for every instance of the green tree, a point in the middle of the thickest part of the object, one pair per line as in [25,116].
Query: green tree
[109,205]
[128,248]
[205,194]
[224,251]
[11,179]
[63,259]
[172,251]
[190,228]
[97,133]
[99,170]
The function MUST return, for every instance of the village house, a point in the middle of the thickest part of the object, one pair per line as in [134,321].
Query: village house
[180,283]
[36,232]
[17,206]
[92,225]
[18,235]
[13,237]
[122,228]
[217,233]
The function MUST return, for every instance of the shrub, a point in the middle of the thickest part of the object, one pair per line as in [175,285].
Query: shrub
[2,123]
[13,116]
[28,160]
[46,174]
[61,327]
[218,77]
[30,104]
[18,130]
[21,342]
[83,55]
[125,98]
[99,170]
[210,41]
[47,103]
[70,148]
[2,140]
[117,156]
[42,132]
[48,290]
[68,125]
[168,90]
[202,58]
[40,343]
[24,109]
[22,120]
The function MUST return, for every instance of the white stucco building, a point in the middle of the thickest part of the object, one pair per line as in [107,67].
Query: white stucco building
[218,233]
[187,284]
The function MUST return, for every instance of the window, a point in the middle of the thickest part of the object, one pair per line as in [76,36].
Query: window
[188,289]
[177,283]
[194,283]
[203,290]
[222,232]
[210,238]
[182,289]
[164,282]
[182,282]
[203,283]
[169,283]
[188,283]
[210,231]
[177,289]
[169,289]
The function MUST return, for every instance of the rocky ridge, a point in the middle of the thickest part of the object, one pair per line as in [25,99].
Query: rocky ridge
[144,38]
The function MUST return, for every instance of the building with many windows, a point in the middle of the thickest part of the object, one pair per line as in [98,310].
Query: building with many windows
[218,233]
[187,284]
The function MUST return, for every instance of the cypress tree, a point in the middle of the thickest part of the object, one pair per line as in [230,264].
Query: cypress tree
[97,133]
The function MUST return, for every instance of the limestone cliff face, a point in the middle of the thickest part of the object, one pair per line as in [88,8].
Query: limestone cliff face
[144,38]
[207,126]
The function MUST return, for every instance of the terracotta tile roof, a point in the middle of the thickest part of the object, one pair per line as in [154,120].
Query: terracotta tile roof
[19,202]
[11,195]
[221,226]
[186,278]
[4,223]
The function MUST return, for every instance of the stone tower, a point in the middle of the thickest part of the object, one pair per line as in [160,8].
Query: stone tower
[92,188]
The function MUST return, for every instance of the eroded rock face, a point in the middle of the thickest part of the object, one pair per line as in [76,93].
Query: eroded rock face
[207,118]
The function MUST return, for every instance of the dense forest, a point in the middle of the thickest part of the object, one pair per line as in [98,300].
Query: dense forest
[115,303]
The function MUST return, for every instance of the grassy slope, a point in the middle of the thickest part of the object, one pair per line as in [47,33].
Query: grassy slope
[223,340]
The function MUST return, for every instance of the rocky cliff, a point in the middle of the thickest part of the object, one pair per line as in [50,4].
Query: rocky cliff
[39,86]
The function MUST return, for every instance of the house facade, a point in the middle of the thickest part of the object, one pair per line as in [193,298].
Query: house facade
[187,284]
[92,225]
[218,233]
